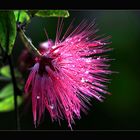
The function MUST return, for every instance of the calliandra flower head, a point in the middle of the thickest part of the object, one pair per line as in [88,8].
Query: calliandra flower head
[71,71]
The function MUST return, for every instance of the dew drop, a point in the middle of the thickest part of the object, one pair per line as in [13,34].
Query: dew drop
[38,97]
[67,40]
[88,60]
[79,40]
[53,47]
[87,72]
[52,106]
[56,51]
[82,80]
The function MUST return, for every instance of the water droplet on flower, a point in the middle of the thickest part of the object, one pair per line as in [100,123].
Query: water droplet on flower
[79,40]
[52,106]
[67,39]
[87,72]
[56,51]
[57,77]
[88,60]
[82,80]
[38,97]
[100,98]
[53,47]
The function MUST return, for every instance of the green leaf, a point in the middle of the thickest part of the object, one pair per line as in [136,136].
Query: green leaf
[7,30]
[6,91]
[5,71]
[23,17]
[7,104]
[52,13]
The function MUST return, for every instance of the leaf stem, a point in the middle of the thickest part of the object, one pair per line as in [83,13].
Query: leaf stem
[16,90]
[28,44]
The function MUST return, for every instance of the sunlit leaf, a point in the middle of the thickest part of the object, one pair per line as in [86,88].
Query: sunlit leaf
[52,13]
[7,30]
[23,17]
[6,91]
[5,71]
[8,103]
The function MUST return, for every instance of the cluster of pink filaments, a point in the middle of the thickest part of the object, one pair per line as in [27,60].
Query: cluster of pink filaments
[70,72]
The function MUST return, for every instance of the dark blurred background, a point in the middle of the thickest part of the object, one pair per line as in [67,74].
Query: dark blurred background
[119,111]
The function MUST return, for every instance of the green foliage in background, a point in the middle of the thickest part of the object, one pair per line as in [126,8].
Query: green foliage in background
[8,32]
[22,15]
[7,104]
[52,13]
[5,71]
[6,91]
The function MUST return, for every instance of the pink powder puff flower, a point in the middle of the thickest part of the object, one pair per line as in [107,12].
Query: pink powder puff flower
[71,70]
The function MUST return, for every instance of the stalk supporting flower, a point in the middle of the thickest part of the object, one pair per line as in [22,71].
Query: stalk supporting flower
[27,42]
[70,72]
[16,92]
